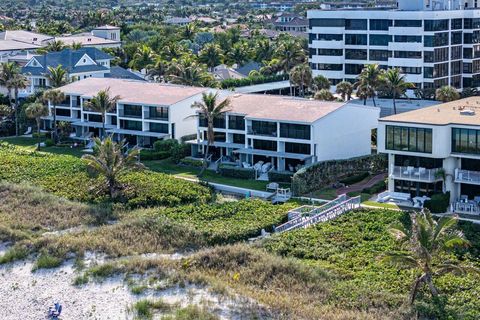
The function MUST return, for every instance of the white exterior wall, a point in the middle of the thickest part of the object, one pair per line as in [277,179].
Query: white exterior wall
[345,133]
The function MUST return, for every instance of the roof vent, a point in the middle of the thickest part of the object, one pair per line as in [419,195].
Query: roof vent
[467,112]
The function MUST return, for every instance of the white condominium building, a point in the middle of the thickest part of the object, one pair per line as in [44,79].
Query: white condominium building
[443,138]
[434,43]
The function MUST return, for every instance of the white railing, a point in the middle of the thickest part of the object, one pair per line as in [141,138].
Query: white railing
[307,215]
[467,176]
[416,174]
[468,207]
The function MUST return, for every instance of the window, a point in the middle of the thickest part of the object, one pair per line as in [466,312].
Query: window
[158,113]
[456,24]
[356,39]
[417,39]
[218,122]
[428,56]
[467,67]
[456,37]
[380,39]
[301,148]
[354,69]
[436,25]
[355,24]
[467,38]
[467,53]
[265,145]
[456,53]
[263,128]
[475,37]
[63,112]
[236,122]
[327,23]
[408,139]
[380,55]
[330,52]
[330,66]
[440,70]
[408,23]
[94,118]
[465,141]
[440,54]
[456,67]
[440,39]
[132,111]
[379,24]
[408,54]
[294,131]
[356,54]
[159,127]
[411,70]
[238,138]
[329,37]
[131,125]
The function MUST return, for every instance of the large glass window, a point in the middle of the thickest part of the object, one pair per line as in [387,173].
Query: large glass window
[238,138]
[330,66]
[302,148]
[265,145]
[456,37]
[465,141]
[356,39]
[329,37]
[263,128]
[132,111]
[380,39]
[158,113]
[408,139]
[159,127]
[436,25]
[218,122]
[131,125]
[408,23]
[456,24]
[330,52]
[327,22]
[440,54]
[408,39]
[94,117]
[408,54]
[236,122]
[380,55]
[380,24]
[356,54]
[294,131]
[354,69]
[355,24]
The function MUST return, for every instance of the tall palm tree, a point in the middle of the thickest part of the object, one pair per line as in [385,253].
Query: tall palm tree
[7,71]
[210,110]
[324,95]
[345,89]
[211,55]
[263,50]
[320,82]
[109,161]
[143,57]
[425,243]
[76,45]
[290,53]
[36,111]
[53,46]
[187,72]
[57,76]
[102,103]
[55,97]
[446,94]
[370,79]
[17,82]
[189,31]
[301,76]
[395,84]
[239,54]
[158,70]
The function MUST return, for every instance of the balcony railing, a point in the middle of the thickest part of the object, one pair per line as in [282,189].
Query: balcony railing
[128,114]
[466,206]
[153,116]
[467,176]
[255,132]
[415,174]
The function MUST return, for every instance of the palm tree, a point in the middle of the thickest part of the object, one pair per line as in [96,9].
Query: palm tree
[55,97]
[102,103]
[189,31]
[239,54]
[76,45]
[53,46]
[7,71]
[36,111]
[320,82]
[344,89]
[188,72]
[301,76]
[210,110]
[446,94]
[157,70]
[370,79]
[426,243]
[17,82]
[263,50]
[143,57]
[395,84]
[57,76]
[110,162]
[324,95]
[211,55]
[290,53]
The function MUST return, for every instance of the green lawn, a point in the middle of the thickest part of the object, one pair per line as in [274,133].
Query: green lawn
[30,143]
[381,205]
[167,166]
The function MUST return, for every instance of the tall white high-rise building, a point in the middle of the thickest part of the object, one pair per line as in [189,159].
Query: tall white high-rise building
[435,43]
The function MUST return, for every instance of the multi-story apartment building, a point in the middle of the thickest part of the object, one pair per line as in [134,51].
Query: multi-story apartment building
[435,149]
[434,43]
[288,132]
[144,113]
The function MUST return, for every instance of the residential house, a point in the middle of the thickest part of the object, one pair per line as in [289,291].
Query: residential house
[101,37]
[287,133]
[290,22]
[145,112]
[434,150]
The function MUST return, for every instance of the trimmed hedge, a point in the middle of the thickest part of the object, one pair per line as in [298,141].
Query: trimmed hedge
[280,176]
[164,145]
[354,178]
[191,162]
[237,172]
[147,154]
[438,203]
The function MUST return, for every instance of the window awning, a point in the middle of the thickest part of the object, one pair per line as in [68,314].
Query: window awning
[139,133]
[92,124]
[267,153]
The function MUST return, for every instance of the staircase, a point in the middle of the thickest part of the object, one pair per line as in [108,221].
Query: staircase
[306,216]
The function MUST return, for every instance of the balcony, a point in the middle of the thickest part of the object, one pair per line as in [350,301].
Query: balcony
[415,174]
[256,132]
[467,176]
[130,114]
[465,206]
[155,116]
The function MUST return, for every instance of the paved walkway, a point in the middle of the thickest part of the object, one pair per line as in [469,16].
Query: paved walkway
[359,186]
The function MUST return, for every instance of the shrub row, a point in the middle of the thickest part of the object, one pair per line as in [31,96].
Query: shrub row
[438,203]
[280,176]
[354,178]
[147,154]
[236,172]
[191,162]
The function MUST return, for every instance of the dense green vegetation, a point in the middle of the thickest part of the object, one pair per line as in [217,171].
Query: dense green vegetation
[67,176]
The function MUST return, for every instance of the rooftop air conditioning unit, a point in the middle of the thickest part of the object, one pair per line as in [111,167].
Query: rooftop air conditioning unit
[467,112]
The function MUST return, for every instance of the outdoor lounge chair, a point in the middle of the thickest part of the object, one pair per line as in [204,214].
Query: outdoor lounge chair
[29,131]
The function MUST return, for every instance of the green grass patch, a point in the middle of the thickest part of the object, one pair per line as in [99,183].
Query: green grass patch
[46,261]
[14,254]
[381,205]
[192,312]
